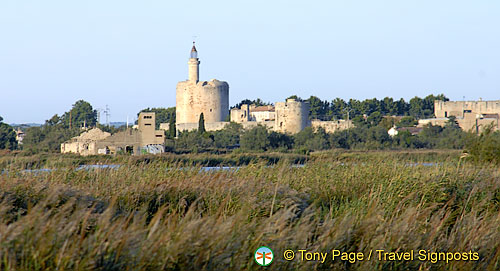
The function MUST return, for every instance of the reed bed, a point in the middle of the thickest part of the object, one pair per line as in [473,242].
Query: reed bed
[162,215]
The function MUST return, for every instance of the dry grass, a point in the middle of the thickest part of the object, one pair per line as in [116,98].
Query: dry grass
[144,217]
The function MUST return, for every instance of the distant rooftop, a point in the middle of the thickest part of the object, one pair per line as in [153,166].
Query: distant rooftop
[263,108]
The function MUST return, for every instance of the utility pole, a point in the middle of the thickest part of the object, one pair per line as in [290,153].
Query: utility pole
[107,112]
[98,115]
[348,110]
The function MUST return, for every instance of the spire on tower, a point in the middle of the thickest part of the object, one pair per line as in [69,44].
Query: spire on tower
[194,52]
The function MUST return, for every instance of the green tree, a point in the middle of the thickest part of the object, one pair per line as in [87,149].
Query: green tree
[256,138]
[359,121]
[370,106]
[319,109]
[53,121]
[374,118]
[405,139]
[355,108]
[47,138]
[416,108]
[309,140]
[229,136]
[201,124]
[484,147]
[193,141]
[257,102]
[338,107]
[7,136]
[387,122]
[400,108]
[295,97]
[56,130]
[80,114]
[407,121]
[172,130]
[280,141]
[424,108]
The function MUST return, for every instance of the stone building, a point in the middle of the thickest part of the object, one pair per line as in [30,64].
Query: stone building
[211,98]
[470,115]
[135,141]
[86,143]
[251,112]
[144,139]
[194,97]
[444,109]
[262,113]
[241,115]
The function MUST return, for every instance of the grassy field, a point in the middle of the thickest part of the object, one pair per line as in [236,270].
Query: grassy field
[156,213]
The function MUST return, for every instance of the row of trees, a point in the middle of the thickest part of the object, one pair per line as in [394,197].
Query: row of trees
[260,138]
[340,109]
[49,136]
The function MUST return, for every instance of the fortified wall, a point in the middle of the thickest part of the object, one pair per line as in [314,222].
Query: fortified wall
[444,109]
[332,126]
[470,115]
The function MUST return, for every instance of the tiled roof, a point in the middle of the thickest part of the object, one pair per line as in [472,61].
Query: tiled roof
[263,108]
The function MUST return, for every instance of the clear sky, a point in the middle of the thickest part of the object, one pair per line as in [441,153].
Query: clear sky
[129,55]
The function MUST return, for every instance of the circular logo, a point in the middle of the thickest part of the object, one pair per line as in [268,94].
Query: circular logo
[263,256]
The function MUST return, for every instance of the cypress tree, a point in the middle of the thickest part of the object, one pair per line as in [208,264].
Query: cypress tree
[171,129]
[201,124]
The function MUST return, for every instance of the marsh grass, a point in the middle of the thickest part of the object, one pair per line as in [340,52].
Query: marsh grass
[22,160]
[145,217]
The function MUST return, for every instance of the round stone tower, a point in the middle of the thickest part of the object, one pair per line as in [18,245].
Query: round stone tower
[292,116]
[194,97]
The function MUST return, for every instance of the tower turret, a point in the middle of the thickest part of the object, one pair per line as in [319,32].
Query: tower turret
[194,65]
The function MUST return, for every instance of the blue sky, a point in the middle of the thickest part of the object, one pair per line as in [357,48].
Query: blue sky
[129,55]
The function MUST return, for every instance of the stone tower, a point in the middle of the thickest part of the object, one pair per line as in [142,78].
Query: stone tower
[194,97]
[292,116]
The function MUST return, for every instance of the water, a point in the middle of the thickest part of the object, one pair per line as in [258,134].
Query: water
[82,167]
[212,169]
[100,166]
